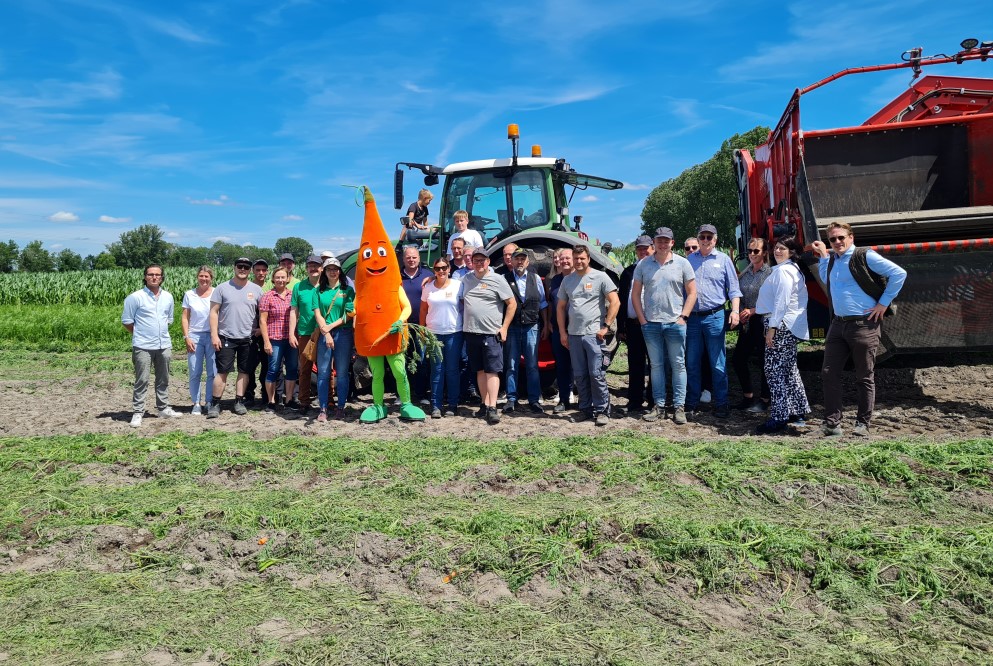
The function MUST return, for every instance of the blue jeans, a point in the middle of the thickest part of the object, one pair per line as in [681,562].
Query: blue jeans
[661,341]
[521,340]
[282,353]
[706,334]
[342,355]
[445,373]
[563,368]
[202,357]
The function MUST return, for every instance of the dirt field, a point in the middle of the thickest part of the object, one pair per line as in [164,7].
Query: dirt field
[916,398]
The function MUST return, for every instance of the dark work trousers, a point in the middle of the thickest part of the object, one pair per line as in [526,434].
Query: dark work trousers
[751,344]
[858,339]
[637,365]
[563,367]
[257,358]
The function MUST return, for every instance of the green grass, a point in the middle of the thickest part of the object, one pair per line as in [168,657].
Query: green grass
[721,518]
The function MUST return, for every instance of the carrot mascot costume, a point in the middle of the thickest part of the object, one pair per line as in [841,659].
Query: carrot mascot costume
[381,312]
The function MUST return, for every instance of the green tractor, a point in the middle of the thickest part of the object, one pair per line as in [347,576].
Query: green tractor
[520,200]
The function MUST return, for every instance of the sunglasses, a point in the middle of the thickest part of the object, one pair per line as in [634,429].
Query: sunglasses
[690,248]
[705,237]
[440,268]
[837,239]
[243,267]
[754,251]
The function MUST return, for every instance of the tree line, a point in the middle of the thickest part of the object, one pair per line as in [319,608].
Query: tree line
[139,247]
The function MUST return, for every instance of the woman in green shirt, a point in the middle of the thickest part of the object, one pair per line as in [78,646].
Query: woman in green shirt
[334,308]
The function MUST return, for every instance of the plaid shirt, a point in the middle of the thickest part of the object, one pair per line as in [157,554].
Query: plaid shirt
[278,308]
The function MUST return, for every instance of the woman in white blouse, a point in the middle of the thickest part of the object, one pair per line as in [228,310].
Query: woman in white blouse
[441,313]
[782,303]
[196,332]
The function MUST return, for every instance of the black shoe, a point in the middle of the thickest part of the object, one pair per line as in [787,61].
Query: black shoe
[492,416]
[771,427]
[535,408]
[560,407]
[510,407]
[249,400]
[583,415]
[294,405]
[214,410]
[722,412]
[744,404]
[270,408]
[481,412]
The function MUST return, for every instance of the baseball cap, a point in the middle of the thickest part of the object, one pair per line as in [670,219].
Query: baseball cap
[260,261]
[521,252]
[707,228]
[287,255]
[331,261]
[643,241]
[243,260]
[312,259]
[664,232]
[481,251]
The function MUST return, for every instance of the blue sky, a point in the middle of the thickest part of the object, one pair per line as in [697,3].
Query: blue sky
[240,120]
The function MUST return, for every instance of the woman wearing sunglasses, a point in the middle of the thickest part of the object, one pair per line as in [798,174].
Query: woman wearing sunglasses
[751,340]
[441,313]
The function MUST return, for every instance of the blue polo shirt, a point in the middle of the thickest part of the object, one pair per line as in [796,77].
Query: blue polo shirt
[412,287]
[151,317]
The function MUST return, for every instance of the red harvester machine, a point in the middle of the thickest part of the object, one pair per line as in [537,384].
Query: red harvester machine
[915,182]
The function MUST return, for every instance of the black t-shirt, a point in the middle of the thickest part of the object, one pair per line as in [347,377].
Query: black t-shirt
[420,214]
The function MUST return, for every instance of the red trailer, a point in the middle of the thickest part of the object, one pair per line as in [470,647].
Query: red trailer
[915,182]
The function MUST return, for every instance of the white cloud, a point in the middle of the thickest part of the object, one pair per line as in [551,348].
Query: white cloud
[223,239]
[64,216]
[114,220]
[635,186]
[414,88]
[589,198]
[219,201]
[172,234]
[56,246]
[292,218]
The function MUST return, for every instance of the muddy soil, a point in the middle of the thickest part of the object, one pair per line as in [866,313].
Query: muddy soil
[927,397]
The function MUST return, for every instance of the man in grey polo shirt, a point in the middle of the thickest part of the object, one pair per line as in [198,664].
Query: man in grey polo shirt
[489,307]
[663,292]
[588,298]
[234,306]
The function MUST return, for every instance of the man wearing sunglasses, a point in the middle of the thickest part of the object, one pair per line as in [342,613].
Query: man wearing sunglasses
[716,284]
[234,308]
[856,322]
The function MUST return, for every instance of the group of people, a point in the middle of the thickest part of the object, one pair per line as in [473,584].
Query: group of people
[672,311]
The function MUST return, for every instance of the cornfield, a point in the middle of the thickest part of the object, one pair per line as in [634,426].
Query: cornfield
[109,287]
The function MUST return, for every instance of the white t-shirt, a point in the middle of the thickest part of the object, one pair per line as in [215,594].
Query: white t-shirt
[444,307]
[470,236]
[199,307]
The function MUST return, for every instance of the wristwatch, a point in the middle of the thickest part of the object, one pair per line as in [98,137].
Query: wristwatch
[683,317]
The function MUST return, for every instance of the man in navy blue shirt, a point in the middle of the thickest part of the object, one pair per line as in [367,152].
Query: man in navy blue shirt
[412,277]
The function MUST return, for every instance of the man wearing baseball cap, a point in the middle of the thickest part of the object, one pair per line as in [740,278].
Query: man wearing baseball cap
[629,331]
[530,322]
[287,261]
[716,284]
[257,358]
[663,292]
[234,308]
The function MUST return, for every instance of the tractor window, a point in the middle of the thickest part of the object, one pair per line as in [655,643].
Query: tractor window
[484,196]
[529,199]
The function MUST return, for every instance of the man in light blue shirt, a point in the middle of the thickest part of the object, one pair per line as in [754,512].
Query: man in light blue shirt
[147,315]
[716,284]
[855,326]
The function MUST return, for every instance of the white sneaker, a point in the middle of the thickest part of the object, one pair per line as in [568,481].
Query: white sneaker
[196,410]
[169,413]
[705,396]
[136,421]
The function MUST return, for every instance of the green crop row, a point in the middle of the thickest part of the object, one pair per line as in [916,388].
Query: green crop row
[108,287]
